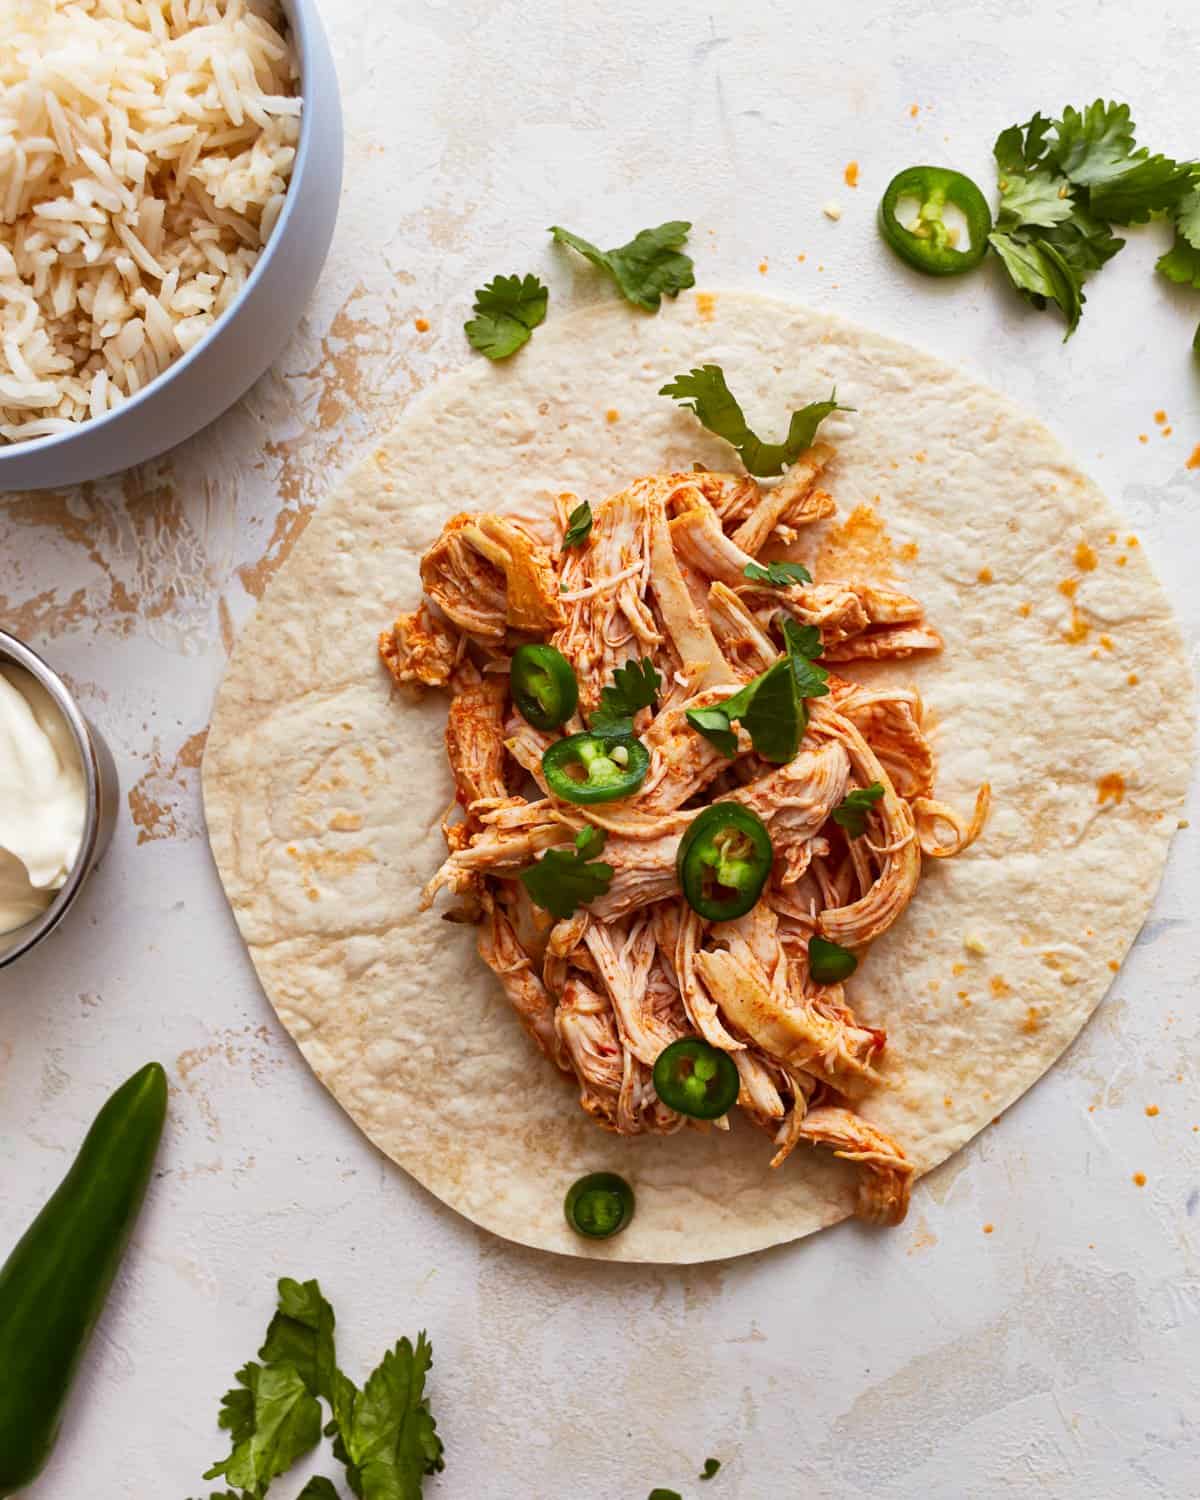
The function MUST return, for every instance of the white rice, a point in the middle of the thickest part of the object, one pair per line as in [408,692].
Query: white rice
[145,150]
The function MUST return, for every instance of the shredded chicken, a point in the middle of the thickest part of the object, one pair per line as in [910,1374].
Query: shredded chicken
[663,576]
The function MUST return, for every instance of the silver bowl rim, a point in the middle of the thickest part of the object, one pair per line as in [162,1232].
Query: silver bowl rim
[303,19]
[16,651]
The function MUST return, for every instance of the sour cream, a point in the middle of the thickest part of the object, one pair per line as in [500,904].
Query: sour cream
[43,799]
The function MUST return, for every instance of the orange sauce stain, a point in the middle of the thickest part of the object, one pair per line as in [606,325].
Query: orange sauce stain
[1110,788]
[1160,416]
[802,258]
[1133,679]
[909,552]
[1152,1110]
[1023,611]
[1032,1023]
[421,325]
[988,1228]
[1139,1179]
[1122,560]
[1078,629]
[1113,965]
[850,175]
[1112,537]
[999,986]
[762,268]
[1194,461]
[920,457]
[1085,558]
[612,415]
[1106,642]
[859,547]
[957,969]
[947,1102]
[914,110]
[985,575]
[1131,541]
[1166,432]
[706,303]
[1143,437]
[1068,587]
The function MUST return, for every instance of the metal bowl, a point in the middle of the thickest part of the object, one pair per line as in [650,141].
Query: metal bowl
[208,379]
[101,787]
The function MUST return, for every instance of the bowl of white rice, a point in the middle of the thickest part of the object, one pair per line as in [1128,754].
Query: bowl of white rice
[169,180]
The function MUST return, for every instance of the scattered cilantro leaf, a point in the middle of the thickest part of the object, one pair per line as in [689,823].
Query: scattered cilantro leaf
[714,724]
[1181,263]
[1037,197]
[1083,242]
[1147,186]
[1187,217]
[561,882]
[508,309]
[711,1467]
[780,575]
[388,1436]
[273,1420]
[803,644]
[634,686]
[1095,145]
[318,1488]
[704,390]
[851,814]
[647,267]
[301,1333]
[1022,147]
[775,716]
[1040,269]
[579,526]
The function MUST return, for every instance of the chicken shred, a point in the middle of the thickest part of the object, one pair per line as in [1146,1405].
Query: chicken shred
[662,575]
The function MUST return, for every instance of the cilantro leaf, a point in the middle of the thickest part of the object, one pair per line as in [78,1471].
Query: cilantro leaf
[560,882]
[1181,263]
[634,686]
[273,1419]
[1149,185]
[804,643]
[644,269]
[301,1334]
[1095,145]
[509,308]
[775,717]
[388,1436]
[1022,147]
[851,814]
[1039,268]
[714,724]
[1187,217]
[780,575]
[1083,242]
[711,1466]
[579,526]
[704,390]
[1037,197]
[318,1488]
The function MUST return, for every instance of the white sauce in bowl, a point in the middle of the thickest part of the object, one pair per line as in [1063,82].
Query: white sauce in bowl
[43,799]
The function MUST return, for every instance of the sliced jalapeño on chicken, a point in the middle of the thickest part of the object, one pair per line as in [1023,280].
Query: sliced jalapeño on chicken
[829,963]
[724,860]
[543,686]
[588,768]
[599,1205]
[696,1079]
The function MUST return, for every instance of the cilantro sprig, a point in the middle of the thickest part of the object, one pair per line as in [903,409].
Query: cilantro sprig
[634,686]
[579,526]
[779,575]
[561,882]
[771,707]
[507,310]
[384,1434]
[645,269]
[851,813]
[1064,183]
[706,393]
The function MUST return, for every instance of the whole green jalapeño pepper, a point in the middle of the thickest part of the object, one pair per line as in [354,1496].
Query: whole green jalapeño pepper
[53,1285]
[724,860]
[589,768]
[929,245]
[543,685]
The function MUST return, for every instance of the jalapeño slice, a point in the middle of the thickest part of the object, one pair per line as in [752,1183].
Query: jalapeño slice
[589,768]
[696,1079]
[599,1205]
[829,963]
[929,244]
[543,686]
[724,860]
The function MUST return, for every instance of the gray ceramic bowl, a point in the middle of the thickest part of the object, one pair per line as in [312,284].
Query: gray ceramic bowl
[207,380]
[100,782]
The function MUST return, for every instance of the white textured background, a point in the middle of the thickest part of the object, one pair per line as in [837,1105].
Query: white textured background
[1057,1355]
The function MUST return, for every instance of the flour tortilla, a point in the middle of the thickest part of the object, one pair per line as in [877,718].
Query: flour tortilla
[324,784]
